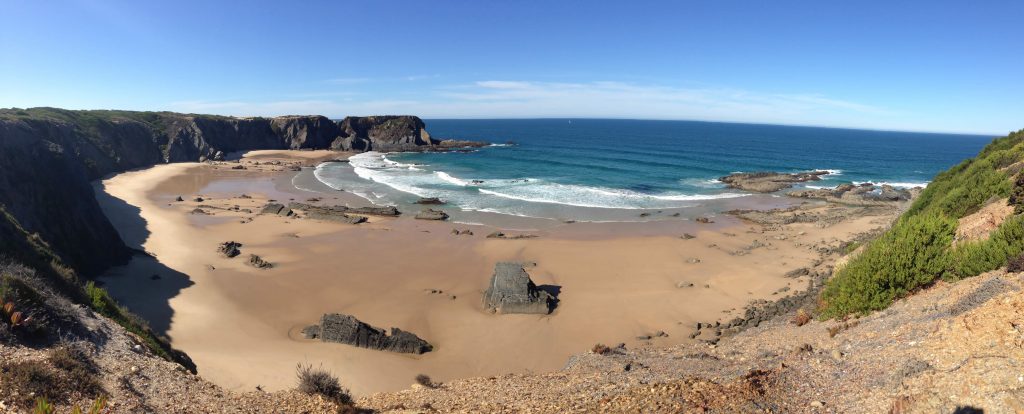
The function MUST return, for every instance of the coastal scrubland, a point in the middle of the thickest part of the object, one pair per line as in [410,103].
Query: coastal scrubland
[918,250]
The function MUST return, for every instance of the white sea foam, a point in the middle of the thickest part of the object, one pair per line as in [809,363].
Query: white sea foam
[487,195]
[894,184]
[702,182]
[448,178]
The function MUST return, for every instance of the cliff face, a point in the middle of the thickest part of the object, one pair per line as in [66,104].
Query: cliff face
[48,157]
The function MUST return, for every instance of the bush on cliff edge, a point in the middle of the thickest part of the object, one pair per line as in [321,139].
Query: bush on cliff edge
[917,249]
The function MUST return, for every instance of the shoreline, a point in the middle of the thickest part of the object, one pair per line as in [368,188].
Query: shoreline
[618,280]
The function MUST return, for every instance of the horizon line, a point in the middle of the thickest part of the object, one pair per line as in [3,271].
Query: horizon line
[915,131]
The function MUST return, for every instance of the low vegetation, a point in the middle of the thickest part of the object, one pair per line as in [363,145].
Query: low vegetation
[425,381]
[918,249]
[68,374]
[319,381]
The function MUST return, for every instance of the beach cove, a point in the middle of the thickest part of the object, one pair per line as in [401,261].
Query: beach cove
[617,282]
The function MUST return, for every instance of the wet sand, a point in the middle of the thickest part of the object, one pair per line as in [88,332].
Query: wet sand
[240,325]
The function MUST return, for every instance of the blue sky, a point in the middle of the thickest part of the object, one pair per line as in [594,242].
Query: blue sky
[952,66]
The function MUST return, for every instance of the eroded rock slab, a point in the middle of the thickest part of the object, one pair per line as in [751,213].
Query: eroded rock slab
[431,214]
[769,182]
[346,329]
[330,213]
[512,291]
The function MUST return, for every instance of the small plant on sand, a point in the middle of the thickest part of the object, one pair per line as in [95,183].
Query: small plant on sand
[96,407]
[320,381]
[601,349]
[801,318]
[42,406]
[425,381]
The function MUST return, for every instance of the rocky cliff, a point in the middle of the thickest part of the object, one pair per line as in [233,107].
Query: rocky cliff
[48,157]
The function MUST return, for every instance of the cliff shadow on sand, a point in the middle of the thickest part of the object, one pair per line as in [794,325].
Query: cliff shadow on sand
[145,285]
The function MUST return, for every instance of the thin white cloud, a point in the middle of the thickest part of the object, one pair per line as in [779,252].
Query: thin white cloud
[601,99]
[347,81]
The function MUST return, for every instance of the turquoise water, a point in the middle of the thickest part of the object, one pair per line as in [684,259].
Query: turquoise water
[563,169]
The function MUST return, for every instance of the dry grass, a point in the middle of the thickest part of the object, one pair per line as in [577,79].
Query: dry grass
[801,318]
[320,381]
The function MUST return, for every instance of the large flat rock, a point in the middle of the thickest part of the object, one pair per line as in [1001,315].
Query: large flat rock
[512,291]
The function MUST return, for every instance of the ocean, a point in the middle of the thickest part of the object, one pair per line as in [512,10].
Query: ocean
[602,169]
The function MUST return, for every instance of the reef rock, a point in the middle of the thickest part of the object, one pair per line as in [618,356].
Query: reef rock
[769,182]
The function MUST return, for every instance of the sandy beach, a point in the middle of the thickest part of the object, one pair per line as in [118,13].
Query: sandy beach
[617,282]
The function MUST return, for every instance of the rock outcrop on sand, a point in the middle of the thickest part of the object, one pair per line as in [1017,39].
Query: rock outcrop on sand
[511,291]
[229,249]
[769,182]
[341,213]
[278,209]
[259,263]
[346,329]
[431,214]
[866,194]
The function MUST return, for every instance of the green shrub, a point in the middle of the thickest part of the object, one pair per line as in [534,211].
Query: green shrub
[911,255]
[974,258]
[102,303]
[917,249]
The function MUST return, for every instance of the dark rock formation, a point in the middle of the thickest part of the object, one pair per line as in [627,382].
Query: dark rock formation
[431,214]
[865,194]
[429,200]
[769,182]
[49,156]
[278,209]
[387,211]
[258,262]
[230,249]
[346,329]
[500,235]
[512,291]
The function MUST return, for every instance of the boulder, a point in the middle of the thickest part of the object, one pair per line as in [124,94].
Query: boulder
[431,214]
[890,193]
[230,249]
[511,291]
[346,329]
[258,262]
